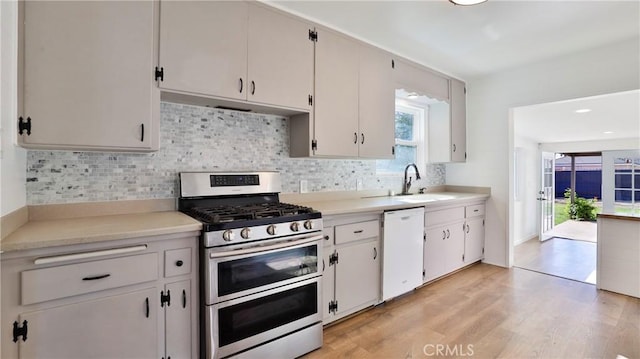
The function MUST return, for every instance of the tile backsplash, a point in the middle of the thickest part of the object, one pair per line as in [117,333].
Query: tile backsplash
[196,138]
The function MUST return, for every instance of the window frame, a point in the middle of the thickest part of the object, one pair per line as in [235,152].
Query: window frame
[609,187]
[419,112]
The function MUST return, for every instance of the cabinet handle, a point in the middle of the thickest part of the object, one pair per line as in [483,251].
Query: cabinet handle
[253,87]
[454,147]
[179,263]
[448,234]
[146,301]
[142,132]
[241,85]
[444,235]
[375,253]
[184,298]
[323,266]
[358,231]
[87,255]
[355,137]
[96,277]
[467,228]
[326,238]
[362,142]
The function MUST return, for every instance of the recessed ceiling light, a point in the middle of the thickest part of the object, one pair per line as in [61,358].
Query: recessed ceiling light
[608,132]
[412,95]
[583,110]
[466,2]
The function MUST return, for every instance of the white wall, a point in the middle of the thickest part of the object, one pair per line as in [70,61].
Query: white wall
[12,158]
[527,178]
[609,69]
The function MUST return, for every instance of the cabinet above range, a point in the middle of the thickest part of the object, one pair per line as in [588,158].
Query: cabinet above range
[235,54]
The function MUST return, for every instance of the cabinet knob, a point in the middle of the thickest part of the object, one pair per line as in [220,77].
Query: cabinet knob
[179,263]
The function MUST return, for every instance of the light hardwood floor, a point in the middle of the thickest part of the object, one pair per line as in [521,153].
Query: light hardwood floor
[492,312]
[566,258]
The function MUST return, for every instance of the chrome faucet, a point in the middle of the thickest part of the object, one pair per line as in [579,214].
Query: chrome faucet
[406,185]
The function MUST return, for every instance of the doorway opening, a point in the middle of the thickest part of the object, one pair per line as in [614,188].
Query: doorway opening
[569,200]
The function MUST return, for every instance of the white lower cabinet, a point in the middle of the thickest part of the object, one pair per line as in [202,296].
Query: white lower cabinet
[351,277]
[85,301]
[119,326]
[177,321]
[454,238]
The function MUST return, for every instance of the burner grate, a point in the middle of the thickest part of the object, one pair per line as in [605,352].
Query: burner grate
[231,213]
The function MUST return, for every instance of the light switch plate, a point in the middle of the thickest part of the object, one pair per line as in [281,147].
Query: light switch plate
[359,186]
[304,186]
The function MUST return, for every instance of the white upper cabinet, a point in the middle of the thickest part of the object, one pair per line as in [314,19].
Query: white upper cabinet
[203,47]
[376,104]
[458,121]
[237,51]
[336,96]
[420,80]
[353,104]
[87,75]
[280,59]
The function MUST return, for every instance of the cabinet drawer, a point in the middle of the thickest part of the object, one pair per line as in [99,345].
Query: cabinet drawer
[434,218]
[40,285]
[474,211]
[356,231]
[177,262]
[327,233]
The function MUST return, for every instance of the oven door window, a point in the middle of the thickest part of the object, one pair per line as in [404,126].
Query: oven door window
[258,270]
[260,315]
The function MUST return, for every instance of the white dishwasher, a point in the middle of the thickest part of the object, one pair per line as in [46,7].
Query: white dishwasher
[402,251]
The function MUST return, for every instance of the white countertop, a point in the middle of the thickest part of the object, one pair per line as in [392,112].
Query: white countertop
[69,231]
[385,203]
[59,232]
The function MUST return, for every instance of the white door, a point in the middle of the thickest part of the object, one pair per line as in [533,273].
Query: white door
[546,195]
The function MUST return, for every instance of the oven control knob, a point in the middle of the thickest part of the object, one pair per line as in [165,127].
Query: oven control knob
[228,235]
[295,226]
[271,230]
[244,233]
[308,224]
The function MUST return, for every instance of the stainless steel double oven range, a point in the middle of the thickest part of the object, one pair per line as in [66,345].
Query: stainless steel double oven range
[259,275]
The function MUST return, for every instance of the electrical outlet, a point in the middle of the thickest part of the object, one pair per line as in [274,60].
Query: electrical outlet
[359,186]
[304,186]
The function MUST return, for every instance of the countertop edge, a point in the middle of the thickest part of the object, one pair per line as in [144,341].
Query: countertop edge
[618,216]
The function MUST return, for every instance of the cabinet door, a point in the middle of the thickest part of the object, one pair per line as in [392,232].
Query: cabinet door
[122,326]
[454,251]
[178,320]
[357,275]
[434,258]
[280,59]
[88,75]
[473,240]
[328,283]
[376,104]
[203,47]
[336,95]
[458,121]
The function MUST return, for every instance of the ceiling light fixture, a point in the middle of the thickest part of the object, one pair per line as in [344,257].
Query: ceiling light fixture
[583,110]
[466,2]
[608,132]
[412,95]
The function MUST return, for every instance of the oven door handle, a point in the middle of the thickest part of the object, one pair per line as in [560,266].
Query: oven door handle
[267,248]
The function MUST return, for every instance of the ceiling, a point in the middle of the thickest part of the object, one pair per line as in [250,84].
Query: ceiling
[558,122]
[473,41]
